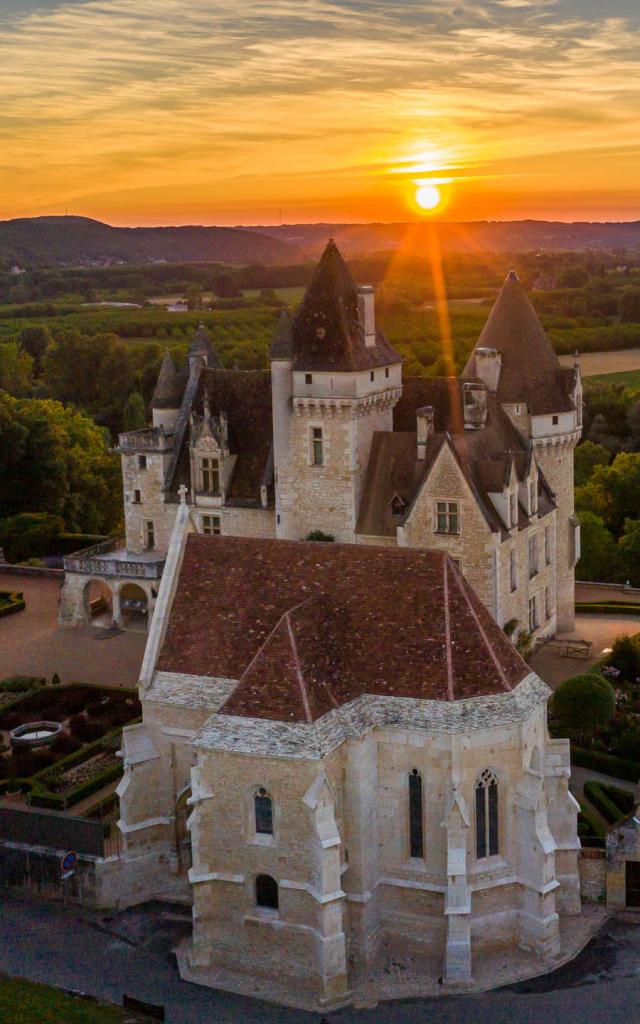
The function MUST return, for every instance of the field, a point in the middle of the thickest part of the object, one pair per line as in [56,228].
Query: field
[25,1002]
[620,364]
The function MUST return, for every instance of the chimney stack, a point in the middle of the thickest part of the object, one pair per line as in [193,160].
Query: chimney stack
[474,406]
[366,314]
[488,366]
[425,428]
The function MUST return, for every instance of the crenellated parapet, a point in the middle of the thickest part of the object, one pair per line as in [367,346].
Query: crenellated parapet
[349,408]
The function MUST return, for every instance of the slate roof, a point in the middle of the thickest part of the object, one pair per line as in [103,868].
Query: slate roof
[484,456]
[169,386]
[306,627]
[245,396]
[530,370]
[282,341]
[325,333]
[201,345]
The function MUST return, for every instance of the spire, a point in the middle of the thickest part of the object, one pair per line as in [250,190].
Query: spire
[327,333]
[282,341]
[169,386]
[201,346]
[529,368]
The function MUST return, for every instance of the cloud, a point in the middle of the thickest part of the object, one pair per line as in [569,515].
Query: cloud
[115,97]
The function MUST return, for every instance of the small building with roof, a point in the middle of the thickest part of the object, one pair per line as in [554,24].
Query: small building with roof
[342,756]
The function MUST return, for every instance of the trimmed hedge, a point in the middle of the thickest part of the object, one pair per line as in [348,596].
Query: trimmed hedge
[43,797]
[613,803]
[588,825]
[13,603]
[607,609]
[21,684]
[608,764]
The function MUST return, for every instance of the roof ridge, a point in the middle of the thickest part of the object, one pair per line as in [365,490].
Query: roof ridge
[298,668]
[447,628]
[505,682]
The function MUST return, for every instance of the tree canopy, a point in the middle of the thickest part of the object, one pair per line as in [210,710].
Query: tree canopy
[583,704]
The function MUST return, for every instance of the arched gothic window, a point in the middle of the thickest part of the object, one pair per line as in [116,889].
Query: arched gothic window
[487,843]
[266,892]
[264,813]
[416,824]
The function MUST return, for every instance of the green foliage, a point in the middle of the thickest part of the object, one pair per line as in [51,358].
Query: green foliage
[589,826]
[24,1002]
[26,535]
[55,679]
[319,535]
[612,802]
[16,369]
[587,456]
[613,492]
[629,305]
[11,603]
[134,415]
[625,657]
[629,552]
[510,627]
[598,551]
[56,460]
[581,705]
[599,761]
[34,341]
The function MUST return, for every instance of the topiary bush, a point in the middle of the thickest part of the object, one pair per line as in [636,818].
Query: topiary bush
[581,705]
[625,657]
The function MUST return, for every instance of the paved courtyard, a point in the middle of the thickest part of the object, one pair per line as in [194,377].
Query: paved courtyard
[31,643]
[601,630]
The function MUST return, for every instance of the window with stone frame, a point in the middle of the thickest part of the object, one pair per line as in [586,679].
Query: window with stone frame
[211,526]
[209,475]
[533,497]
[533,613]
[487,823]
[547,603]
[416,815]
[136,498]
[266,892]
[513,569]
[447,517]
[149,534]
[142,461]
[317,446]
[547,545]
[533,555]
[263,809]
[513,509]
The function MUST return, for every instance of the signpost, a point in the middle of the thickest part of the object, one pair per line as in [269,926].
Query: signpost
[68,864]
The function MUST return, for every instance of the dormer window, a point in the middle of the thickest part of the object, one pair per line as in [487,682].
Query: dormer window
[398,505]
[209,475]
[513,508]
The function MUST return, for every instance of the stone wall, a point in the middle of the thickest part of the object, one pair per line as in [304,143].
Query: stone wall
[593,869]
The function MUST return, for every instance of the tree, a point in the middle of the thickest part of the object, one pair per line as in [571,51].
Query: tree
[56,460]
[598,554]
[625,656]
[581,705]
[16,369]
[193,295]
[613,492]
[587,456]
[629,306]
[629,552]
[224,285]
[35,340]
[134,415]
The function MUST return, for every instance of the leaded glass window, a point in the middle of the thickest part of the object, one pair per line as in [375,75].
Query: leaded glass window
[416,825]
[487,824]
[264,813]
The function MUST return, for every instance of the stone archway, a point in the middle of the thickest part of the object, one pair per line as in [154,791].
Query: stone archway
[183,835]
[98,603]
[134,607]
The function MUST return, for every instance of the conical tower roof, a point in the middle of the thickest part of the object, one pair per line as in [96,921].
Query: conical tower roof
[201,346]
[326,332]
[530,369]
[169,386]
[282,341]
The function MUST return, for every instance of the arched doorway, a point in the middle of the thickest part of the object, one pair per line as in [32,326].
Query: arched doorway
[134,607]
[98,603]
[183,835]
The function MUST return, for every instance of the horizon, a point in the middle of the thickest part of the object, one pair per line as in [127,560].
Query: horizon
[339,111]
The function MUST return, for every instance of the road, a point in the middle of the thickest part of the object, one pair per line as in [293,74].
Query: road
[131,952]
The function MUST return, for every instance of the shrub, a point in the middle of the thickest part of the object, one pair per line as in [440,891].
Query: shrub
[589,827]
[612,802]
[21,684]
[583,704]
[55,679]
[618,767]
[319,535]
[88,731]
[65,744]
[625,656]
[11,603]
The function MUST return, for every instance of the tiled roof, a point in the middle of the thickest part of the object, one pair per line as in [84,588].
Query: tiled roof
[245,396]
[306,627]
[325,333]
[169,386]
[530,369]
[201,345]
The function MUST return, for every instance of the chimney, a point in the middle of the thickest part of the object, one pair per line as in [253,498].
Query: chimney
[425,428]
[488,366]
[366,314]
[474,406]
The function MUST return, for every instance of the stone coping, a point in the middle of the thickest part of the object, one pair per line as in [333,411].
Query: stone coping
[269,738]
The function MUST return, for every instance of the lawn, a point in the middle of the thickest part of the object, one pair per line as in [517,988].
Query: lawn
[25,1002]
[630,379]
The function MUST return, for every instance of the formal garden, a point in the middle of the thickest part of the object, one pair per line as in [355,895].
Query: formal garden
[58,743]
[10,603]
[600,712]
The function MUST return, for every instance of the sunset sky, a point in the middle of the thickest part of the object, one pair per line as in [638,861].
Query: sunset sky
[248,112]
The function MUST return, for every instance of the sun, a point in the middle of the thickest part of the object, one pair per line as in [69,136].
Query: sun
[428,197]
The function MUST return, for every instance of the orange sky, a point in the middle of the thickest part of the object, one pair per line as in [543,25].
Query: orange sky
[261,111]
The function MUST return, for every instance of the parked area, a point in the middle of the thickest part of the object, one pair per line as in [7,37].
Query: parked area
[562,658]
[32,643]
